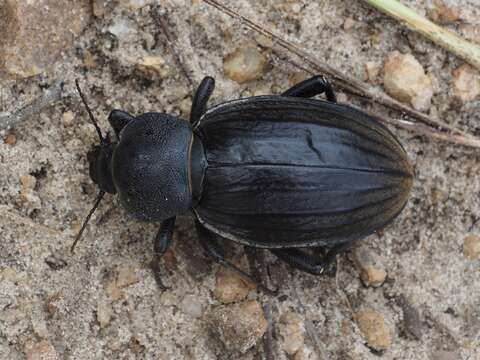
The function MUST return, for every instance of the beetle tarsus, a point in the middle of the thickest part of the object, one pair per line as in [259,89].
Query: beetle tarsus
[314,264]
[161,243]
[199,103]
[316,85]
[301,260]
[155,266]
[212,248]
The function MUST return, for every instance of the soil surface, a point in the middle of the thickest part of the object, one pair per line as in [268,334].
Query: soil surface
[103,302]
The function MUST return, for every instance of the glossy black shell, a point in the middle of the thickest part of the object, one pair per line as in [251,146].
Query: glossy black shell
[293,172]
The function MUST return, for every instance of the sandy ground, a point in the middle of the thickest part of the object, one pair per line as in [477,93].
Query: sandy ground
[103,303]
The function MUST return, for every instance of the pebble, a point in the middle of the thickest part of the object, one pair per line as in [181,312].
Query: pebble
[35,32]
[192,306]
[99,8]
[405,80]
[370,267]
[31,199]
[185,106]
[373,70]
[292,332]
[238,326]
[126,276]
[466,83]
[42,350]
[349,24]
[10,139]
[374,328]
[28,182]
[471,247]
[245,64]
[53,303]
[305,354]
[104,313]
[152,66]
[68,118]
[230,287]
[442,13]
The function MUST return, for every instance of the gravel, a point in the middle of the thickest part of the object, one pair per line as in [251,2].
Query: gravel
[103,302]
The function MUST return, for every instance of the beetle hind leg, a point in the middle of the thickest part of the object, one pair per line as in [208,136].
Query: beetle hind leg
[209,242]
[316,85]
[313,264]
[301,260]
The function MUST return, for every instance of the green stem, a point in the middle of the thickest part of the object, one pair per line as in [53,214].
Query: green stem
[440,36]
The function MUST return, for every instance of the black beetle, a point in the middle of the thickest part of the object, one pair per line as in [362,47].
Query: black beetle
[284,173]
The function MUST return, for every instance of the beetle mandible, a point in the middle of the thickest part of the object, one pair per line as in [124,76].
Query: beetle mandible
[286,173]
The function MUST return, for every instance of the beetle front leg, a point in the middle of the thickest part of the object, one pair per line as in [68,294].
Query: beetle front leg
[209,242]
[199,103]
[118,119]
[161,244]
[316,85]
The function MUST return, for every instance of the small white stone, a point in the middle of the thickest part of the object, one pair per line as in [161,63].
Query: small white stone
[405,80]
[68,118]
[292,332]
[471,247]
[245,64]
[151,65]
[104,313]
[466,83]
[28,182]
[41,351]
[239,326]
[373,70]
[374,328]
[230,287]
[192,306]
[370,267]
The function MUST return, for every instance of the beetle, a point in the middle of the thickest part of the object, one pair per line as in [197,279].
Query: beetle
[287,173]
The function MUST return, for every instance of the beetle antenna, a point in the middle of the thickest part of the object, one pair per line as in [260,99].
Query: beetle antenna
[90,114]
[87,219]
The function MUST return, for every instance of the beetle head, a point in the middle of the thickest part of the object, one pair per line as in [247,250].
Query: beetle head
[100,159]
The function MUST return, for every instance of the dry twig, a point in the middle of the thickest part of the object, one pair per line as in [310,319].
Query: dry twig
[440,36]
[260,274]
[49,97]
[437,129]
[169,44]
[309,327]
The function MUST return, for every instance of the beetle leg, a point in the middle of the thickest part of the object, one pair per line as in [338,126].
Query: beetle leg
[316,85]
[301,260]
[209,242]
[313,264]
[118,119]
[199,103]
[160,246]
